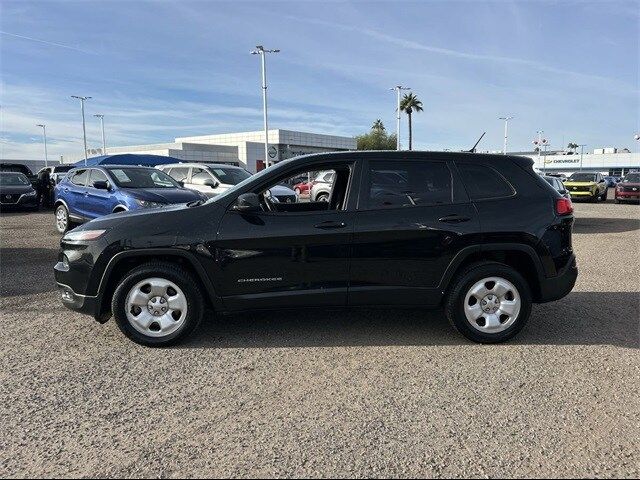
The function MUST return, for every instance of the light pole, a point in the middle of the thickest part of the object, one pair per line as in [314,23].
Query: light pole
[44,135]
[263,54]
[398,89]
[581,153]
[506,127]
[104,144]
[539,143]
[84,128]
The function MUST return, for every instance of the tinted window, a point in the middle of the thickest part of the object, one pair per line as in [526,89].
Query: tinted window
[180,174]
[631,178]
[97,175]
[408,184]
[80,177]
[483,181]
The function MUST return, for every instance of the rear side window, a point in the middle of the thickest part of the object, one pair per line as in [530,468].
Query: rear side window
[80,177]
[408,184]
[484,182]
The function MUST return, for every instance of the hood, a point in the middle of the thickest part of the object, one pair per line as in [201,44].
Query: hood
[164,195]
[15,189]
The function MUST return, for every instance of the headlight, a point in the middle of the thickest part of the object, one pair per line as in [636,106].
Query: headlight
[149,204]
[32,193]
[83,235]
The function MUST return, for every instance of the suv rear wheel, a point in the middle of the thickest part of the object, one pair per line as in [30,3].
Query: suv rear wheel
[489,302]
[157,304]
[63,223]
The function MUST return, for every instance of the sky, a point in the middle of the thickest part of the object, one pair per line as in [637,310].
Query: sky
[160,70]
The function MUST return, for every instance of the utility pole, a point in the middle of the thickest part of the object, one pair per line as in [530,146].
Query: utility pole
[398,89]
[44,135]
[581,153]
[104,144]
[84,127]
[539,142]
[260,50]
[506,126]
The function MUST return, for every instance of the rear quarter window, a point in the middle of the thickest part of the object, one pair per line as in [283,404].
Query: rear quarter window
[484,182]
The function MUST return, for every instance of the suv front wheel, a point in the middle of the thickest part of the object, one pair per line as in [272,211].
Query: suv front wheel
[157,304]
[489,302]
[63,223]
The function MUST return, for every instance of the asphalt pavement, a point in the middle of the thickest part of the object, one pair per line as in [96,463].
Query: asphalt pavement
[367,393]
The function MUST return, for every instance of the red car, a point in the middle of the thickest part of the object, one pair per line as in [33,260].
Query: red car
[628,188]
[303,187]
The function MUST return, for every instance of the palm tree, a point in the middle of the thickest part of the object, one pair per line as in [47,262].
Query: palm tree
[378,126]
[409,104]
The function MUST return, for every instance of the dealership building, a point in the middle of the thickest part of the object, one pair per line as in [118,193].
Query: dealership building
[609,161]
[245,149]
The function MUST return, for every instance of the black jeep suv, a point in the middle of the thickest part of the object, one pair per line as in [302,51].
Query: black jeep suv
[481,236]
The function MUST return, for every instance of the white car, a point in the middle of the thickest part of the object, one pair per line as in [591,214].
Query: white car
[321,187]
[208,178]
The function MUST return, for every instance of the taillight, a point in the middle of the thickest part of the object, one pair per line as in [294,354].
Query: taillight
[564,206]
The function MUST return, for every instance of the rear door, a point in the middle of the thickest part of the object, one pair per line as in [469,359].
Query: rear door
[413,218]
[75,192]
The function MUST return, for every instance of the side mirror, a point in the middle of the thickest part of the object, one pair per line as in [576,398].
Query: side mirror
[211,183]
[247,203]
[180,182]
[101,184]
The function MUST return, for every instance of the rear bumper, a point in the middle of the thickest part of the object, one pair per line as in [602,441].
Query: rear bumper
[557,287]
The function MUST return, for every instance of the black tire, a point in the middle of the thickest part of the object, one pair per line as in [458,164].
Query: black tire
[175,274]
[322,197]
[68,225]
[617,201]
[603,197]
[462,283]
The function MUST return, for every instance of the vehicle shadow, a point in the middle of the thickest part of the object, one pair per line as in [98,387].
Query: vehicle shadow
[570,321]
[25,271]
[585,225]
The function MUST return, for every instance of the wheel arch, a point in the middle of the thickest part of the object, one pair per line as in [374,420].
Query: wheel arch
[521,258]
[122,263]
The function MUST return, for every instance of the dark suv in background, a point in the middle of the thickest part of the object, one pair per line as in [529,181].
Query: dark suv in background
[482,236]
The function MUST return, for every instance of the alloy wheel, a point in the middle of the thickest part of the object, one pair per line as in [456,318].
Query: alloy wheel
[156,307]
[62,219]
[492,305]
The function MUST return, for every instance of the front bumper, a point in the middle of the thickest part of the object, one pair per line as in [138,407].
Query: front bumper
[86,304]
[23,200]
[581,194]
[627,195]
[557,287]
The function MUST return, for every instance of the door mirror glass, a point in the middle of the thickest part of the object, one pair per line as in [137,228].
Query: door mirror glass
[101,184]
[248,202]
[211,183]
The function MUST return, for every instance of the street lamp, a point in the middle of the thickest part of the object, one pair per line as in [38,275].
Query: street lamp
[539,143]
[263,53]
[44,135]
[84,128]
[104,144]
[581,153]
[506,126]
[398,89]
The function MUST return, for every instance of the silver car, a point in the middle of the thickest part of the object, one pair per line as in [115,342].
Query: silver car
[208,178]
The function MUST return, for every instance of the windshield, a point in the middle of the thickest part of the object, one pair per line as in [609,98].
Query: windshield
[582,177]
[229,175]
[141,178]
[14,179]
[631,178]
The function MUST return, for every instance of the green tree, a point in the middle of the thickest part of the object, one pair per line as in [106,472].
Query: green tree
[376,139]
[409,104]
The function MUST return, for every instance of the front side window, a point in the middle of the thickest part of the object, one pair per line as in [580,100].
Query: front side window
[97,176]
[483,182]
[179,174]
[408,184]
[80,178]
[142,178]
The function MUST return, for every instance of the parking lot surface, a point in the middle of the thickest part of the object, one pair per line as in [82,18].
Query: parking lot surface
[336,393]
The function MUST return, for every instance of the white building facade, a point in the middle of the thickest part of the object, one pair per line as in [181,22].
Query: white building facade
[617,163]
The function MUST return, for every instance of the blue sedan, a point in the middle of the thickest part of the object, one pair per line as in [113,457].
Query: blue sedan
[88,193]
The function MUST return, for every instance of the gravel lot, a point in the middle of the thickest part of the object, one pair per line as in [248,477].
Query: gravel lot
[366,393]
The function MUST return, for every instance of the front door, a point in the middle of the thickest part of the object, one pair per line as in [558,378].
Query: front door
[411,223]
[98,201]
[294,254]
